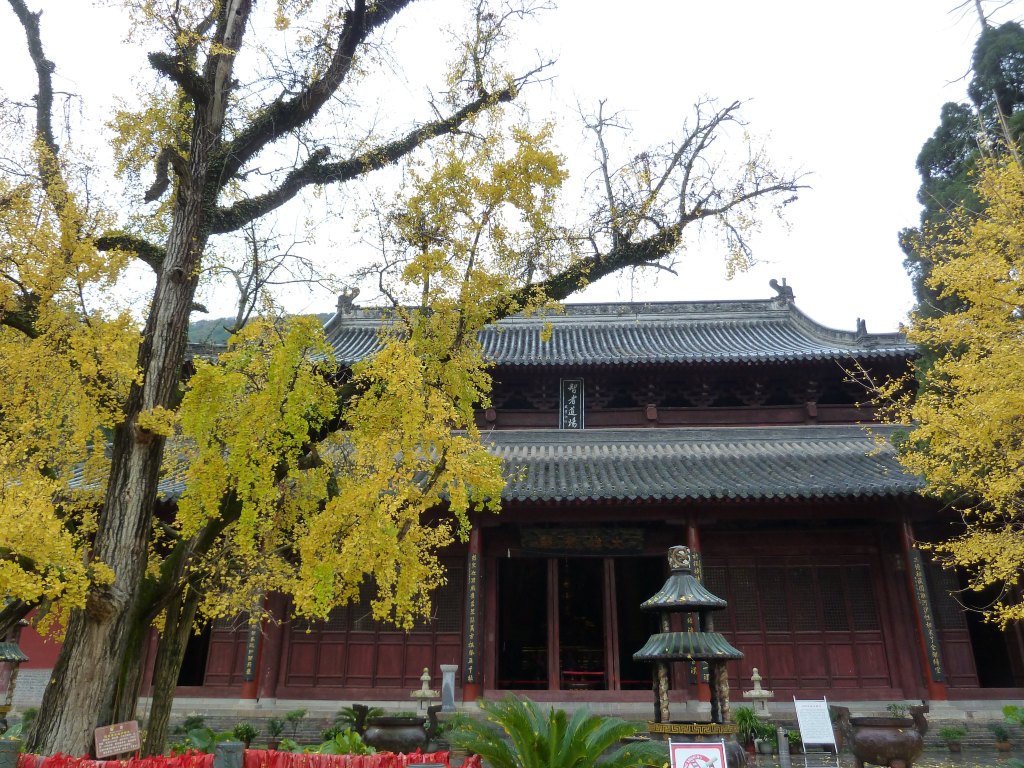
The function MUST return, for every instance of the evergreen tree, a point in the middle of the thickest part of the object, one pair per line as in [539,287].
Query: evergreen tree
[990,124]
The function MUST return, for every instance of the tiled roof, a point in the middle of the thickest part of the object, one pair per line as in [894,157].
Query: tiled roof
[658,332]
[741,463]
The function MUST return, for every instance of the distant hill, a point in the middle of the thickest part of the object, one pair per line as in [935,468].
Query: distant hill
[212,331]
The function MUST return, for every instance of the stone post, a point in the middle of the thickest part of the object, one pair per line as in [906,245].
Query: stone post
[9,751]
[448,687]
[229,754]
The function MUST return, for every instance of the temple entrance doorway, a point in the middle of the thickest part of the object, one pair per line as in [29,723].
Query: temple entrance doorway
[573,623]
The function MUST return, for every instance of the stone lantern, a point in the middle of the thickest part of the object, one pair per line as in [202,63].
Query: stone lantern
[11,657]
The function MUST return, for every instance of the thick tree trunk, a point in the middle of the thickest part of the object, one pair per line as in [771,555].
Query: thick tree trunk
[80,695]
[169,656]
[126,695]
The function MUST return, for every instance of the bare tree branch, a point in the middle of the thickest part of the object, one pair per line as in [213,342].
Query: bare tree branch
[44,74]
[315,171]
[284,115]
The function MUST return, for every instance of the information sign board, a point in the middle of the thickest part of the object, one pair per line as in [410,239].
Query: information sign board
[697,754]
[814,722]
[117,739]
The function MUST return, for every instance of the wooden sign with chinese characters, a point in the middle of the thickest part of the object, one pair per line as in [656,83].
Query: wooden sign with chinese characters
[472,668]
[924,611]
[570,411]
[117,739]
[252,649]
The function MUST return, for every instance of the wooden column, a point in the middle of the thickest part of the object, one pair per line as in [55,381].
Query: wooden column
[554,645]
[472,669]
[611,628]
[273,644]
[693,542]
[927,632]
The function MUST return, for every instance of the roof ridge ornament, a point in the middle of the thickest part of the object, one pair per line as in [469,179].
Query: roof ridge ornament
[347,301]
[785,292]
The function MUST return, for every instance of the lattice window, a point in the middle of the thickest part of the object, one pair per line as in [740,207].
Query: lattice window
[744,593]
[716,580]
[236,623]
[949,614]
[803,599]
[773,599]
[863,611]
[337,621]
[362,616]
[833,601]
[447,603]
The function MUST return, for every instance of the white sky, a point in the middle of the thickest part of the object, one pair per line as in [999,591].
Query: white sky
[845,92]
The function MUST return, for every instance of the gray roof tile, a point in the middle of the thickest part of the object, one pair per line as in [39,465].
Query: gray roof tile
[670,464]
[658,332]
[741,463]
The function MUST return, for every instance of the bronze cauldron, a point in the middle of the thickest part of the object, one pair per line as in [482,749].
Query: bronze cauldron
[891,741]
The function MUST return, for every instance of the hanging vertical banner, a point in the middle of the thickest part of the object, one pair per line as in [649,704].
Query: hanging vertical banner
[699,671]
[472,667]
[924,611]
[570,412]
[252,649]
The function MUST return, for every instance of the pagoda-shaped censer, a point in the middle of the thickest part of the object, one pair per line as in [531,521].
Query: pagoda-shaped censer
[683,593]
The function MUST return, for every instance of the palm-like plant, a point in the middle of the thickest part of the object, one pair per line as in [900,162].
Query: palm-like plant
[518,734]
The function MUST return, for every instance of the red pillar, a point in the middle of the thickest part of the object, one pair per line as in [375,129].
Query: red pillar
[693,542]
[273,644]
[927,632]
[472,669]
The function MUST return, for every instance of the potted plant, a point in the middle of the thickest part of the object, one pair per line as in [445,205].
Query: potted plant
[746,721]
[275,728]
[796,743]
[952,735]
[766,739]
[1002,734]
[245,732]
[294,719]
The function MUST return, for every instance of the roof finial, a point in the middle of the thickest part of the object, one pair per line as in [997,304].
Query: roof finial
[784,291]
[346,301]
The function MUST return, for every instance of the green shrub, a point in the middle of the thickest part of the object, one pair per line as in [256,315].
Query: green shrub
[275,727]
[898,710]
[192,721]
[294,719]
[345,742]
[745,718]
[452,722]
[30,714]
[245,732]
[533,739]
[954,733]
[347,717]
[1000,731]
[202,740]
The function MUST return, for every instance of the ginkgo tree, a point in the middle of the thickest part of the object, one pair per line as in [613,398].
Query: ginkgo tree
[967,436]
[247,108]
